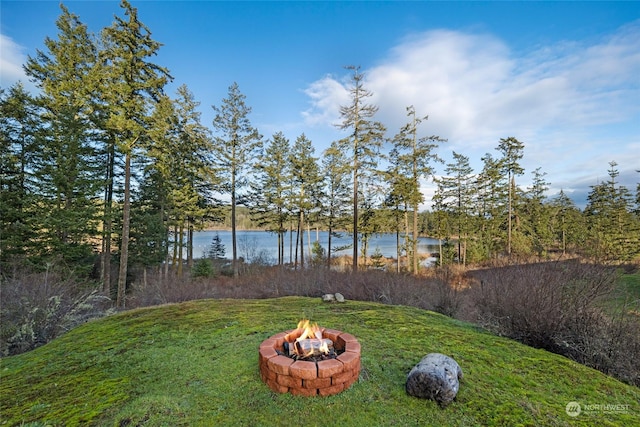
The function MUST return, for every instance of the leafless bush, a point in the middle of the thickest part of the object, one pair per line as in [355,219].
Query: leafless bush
[40,306]
[431,293]
[561,307]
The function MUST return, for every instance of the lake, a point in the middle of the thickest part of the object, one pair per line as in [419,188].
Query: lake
[253,244]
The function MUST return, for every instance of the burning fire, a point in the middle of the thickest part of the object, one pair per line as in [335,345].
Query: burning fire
[310,342]
[309,330]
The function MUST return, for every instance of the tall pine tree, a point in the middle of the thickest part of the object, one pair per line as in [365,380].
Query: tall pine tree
[132,84]
[237,143]
[363,143]
[417,155]
[67,171]
[270,191]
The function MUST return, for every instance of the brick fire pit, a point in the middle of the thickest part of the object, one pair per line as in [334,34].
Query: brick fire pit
[309,378]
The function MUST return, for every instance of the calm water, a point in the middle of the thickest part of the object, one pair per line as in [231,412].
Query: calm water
[252,244]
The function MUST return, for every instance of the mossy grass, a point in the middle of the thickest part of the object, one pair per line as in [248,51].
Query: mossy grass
[195,364]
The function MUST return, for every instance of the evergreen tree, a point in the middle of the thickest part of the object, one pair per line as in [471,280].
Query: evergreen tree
[491,190]
[306,181]
[567,222]
[132,84]
[363,143]
[417,156]
[456,191]
[67,171]
[512,152]
[179,150]
[216,249]
[19,126]
[196,164]
[236,145]
[398,199]
[336,195]
[271,189]
[612,231]
[537,214]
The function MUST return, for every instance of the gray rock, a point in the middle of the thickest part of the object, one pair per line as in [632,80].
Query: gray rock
[328,297]
[339,297]
[435,377]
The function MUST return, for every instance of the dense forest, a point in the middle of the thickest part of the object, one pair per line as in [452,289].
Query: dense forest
[102,171]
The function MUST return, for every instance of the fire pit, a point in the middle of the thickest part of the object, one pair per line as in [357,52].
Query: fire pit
[310,361]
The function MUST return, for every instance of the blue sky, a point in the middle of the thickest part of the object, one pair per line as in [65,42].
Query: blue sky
[562,77]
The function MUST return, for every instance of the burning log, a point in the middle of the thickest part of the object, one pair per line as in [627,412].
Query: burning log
[310,347]
[307,342]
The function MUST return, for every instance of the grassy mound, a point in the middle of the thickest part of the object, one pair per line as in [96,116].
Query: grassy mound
[195,363]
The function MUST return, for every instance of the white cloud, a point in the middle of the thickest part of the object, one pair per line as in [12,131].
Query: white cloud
[475,90]
[11,60]
[574,104]
[326,95]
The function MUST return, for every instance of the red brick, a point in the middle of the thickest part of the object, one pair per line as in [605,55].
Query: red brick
[289,381]
[328,368]
[343,377]
[348,337]
[304,369]
[268,373]
[268,343]
[352,347]
[329,391]
[266,353]
[274,386]
[307,392]
[317,383]
[280,364]
[350,360]
[332,334]
[279,335]
[278,340]
[350,382]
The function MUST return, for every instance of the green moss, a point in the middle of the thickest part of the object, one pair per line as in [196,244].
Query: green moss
[195,363]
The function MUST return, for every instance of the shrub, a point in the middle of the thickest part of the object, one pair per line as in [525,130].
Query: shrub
[561,307]
[203,268]
[40,306]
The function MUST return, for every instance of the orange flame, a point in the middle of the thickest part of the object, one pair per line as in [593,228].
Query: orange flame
[309,330]
[310,341]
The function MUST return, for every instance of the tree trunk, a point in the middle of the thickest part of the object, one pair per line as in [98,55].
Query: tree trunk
[329,247]
[190,244]
[234,244]
[295,257]
[107,223]
[124,250]
[511,182]
[301,232]
[398,251]
[180,246]
[174,259]
[415,239]
[355,216]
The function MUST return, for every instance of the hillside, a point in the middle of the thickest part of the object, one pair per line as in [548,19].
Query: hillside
[195,363]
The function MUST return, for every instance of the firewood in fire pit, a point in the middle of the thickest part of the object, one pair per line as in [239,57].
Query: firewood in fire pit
[435,377]
[307,348]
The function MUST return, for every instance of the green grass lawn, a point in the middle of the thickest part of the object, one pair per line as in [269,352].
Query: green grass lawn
[627,295]
[196,364]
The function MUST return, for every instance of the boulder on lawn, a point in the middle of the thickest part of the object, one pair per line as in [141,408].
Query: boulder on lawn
[435,377]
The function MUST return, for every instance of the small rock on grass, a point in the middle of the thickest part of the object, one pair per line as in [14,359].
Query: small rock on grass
[333,297]
[435,377]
